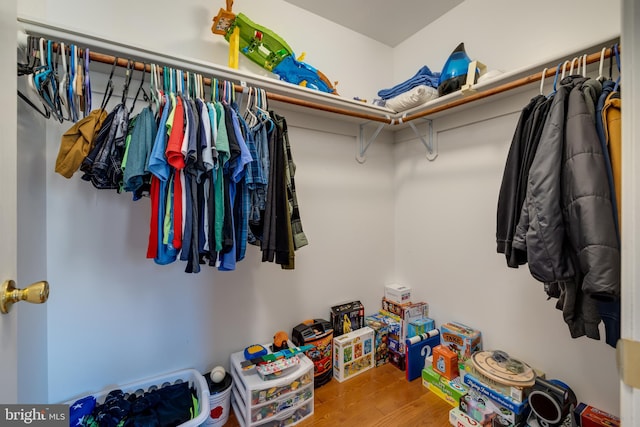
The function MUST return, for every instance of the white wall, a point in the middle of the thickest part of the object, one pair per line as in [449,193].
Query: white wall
[508,35]
[446,210]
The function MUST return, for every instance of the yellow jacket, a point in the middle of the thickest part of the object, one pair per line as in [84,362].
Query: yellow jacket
[611,114]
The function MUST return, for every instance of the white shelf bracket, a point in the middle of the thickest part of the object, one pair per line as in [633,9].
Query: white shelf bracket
[431,145]
[363,145]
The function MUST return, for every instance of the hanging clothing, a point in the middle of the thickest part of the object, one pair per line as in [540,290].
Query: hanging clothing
[77,142]
[573,249]
[611,113]
[511,197]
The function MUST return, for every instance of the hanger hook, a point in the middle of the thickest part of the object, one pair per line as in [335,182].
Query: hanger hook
[544,73]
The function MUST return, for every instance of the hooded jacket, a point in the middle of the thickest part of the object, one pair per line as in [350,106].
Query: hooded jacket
[567,225]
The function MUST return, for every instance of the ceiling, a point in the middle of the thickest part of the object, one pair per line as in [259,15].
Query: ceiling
[387,21]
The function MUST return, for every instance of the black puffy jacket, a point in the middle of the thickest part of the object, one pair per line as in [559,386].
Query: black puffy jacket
[567,225]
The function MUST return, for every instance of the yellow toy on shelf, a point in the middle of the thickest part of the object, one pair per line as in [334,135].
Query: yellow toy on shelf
[267,49]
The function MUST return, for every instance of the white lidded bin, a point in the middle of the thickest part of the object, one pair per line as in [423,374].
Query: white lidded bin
[219,401]
[193,377]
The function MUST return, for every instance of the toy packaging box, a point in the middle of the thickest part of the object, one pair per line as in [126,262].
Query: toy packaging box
[319,333]
[588,416]
[519,394]
[455,389]
[498,398]
[347,317]
[405,314]
[457,418]
[462,339]
[489,412]
[353,353]
[397,293]
[381,338]
[418,351]
[398,359]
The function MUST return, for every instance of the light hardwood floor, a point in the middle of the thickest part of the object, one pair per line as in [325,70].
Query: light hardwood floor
[376,398]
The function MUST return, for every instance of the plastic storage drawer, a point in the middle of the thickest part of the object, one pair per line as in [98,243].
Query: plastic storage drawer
[285,400]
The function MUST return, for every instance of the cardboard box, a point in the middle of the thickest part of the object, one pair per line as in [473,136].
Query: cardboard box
[397,293]
[405,314]
[381,338]
[588,416]
[498,398]
[435,390]
[477,406]
[418,351]
[519,394]
[457,418]
[398,359]
[462,339]
[420,326]
[347,317]
[452,388]
[353,353]
[445,362]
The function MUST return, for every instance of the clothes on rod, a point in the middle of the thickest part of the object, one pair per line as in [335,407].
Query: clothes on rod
[205,169]
[556,205]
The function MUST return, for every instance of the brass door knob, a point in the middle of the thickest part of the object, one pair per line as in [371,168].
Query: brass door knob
[36,293]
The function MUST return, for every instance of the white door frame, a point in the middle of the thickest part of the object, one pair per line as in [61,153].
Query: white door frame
[630,89]
[8,197]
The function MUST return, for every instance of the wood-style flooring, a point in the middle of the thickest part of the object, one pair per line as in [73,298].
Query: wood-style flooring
[378,397]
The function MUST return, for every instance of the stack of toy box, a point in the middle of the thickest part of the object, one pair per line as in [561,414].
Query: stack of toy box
[353,353]
[462,339]
[347,317]
[490,407]
[442,376]
[380,327]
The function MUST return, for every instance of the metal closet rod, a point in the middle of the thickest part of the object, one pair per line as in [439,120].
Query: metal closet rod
[391,120]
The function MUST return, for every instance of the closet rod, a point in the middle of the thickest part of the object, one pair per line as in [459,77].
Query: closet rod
[139,66]
[532,78]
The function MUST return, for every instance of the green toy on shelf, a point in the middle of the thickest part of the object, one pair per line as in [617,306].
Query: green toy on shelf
[267,49]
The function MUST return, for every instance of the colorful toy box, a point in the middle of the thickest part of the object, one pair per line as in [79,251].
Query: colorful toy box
[519,394]
[405,314]
[347,317]
[353,353]
[457,418]
[588,416]
[398,359]
[397,293]
[420,326]
[381,338]
[489,412]
[445,362]
[499,399]
[419,349]
[319,333]
[462,339]
[454,389]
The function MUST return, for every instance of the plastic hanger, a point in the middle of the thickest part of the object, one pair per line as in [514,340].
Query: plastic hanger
[64,83]
[617,55]
[573,61]
[601,65]
[78,83]
[564,66]
[584,65]
[87,82]
[109,89]
[555,81]
[140,89]
[544,73]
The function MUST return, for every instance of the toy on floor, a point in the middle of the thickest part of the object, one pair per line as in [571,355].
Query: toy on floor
[267,49]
